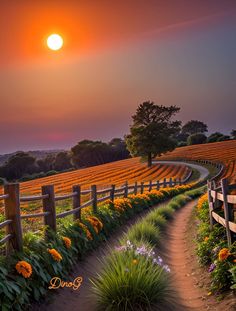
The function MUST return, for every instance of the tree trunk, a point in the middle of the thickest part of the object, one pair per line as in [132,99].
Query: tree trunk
[149,159]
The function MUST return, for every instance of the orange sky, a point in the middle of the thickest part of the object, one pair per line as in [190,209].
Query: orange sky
[116,55]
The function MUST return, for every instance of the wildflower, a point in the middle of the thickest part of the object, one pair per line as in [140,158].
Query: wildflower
[24,268]
[209,293]
[55,254]
[135,261]
[234,260]
[86,230]
[166,268]
[223,254]
[206,239]
[67,242]
[212,267]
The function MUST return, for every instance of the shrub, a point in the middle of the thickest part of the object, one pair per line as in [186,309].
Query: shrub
[145,232]
[195,139]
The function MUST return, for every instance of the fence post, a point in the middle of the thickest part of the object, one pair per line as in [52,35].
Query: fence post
[12,212]
[164,183]
[150,186]
[126,190]
[77,201]
[49,206]
[112,193]
[142,187]
[211,204]
[174,182]
[158,185]
[94,197]
[135,187]
[228,210]
[170,183]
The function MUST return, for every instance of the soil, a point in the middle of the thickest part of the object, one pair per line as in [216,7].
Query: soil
[190,282]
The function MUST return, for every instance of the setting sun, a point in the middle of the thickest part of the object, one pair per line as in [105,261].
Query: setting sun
[55,42]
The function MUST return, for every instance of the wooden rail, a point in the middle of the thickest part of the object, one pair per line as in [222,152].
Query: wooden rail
[220,198]
[13,200]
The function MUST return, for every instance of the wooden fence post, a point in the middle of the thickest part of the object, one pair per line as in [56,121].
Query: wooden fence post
[150,186]
[112,193]
[135,188]
[164,183]
[142,187]
[170,183]
[94,197]
[49,206]
[228,210]
[126,190]
[12,212]
[211,204]
[174,182]
[77,201]
[158,185]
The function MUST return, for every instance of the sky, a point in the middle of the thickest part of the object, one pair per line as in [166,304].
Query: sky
[116,55]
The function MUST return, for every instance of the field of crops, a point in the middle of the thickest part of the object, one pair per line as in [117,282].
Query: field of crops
[224,152]
[117,173]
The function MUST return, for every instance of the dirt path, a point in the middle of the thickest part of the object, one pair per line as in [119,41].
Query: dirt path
[190,281]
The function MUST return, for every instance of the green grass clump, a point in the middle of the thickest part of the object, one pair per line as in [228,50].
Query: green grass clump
[144,231]
[156,219]
[130,282]
[166,211]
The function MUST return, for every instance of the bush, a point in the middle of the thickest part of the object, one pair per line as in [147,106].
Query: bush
[195,139]
[145,232]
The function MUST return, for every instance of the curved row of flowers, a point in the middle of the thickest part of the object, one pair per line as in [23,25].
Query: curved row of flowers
[25,276]
[214,253]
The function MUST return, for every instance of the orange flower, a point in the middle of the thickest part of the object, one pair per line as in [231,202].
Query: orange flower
[135,261]
[67,242]
[24,268]
[223,254]
[206,239]
[202,200]
[96,223]
[234,260]
[55,255]
[86,230]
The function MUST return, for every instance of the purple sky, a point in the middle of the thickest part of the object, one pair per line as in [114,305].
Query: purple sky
[116,56]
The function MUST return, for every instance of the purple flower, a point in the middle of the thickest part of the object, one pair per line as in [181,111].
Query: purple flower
[212,267]
[166,268]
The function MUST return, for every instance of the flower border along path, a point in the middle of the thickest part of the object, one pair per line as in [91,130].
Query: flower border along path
[134,276]
[25,276]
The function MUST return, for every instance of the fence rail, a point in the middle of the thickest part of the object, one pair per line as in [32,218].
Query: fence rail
[220,197]
[12,199]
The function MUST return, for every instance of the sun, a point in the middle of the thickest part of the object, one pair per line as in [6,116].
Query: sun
[55,42]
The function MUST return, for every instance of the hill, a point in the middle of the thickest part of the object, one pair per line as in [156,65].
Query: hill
[220,152]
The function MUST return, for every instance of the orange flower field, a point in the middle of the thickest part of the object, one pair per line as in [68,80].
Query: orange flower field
[223,152]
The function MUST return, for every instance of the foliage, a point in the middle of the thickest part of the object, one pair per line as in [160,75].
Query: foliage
[57,255]
[134,277]
[213,252]
[152,131]
[194,127]
[198,138]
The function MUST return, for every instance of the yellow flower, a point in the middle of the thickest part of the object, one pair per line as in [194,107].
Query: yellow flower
[206,239]
[24,268]
[67,242]
[202,200]
[55,254]
[135,261]
[86,230]
[223,254]
[96,223]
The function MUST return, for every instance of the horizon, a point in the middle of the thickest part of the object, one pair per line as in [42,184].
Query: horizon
[115,56]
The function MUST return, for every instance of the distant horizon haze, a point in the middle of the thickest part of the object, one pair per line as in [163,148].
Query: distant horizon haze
[115,56]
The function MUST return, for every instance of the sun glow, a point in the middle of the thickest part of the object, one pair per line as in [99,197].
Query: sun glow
[55,42]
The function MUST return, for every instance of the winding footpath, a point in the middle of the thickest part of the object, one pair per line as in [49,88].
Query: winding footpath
[178,252]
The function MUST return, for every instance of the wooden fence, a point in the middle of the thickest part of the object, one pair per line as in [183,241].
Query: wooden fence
[12,202]
[221,197]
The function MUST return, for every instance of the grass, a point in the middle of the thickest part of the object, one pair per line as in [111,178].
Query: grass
[133,277]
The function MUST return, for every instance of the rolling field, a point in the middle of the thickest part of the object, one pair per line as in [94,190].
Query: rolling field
[224,152]
[117,173]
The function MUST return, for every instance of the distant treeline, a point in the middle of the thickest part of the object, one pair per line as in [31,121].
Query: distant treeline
[23,166]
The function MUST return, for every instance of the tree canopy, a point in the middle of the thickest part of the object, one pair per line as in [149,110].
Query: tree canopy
[194,127]
[152,131]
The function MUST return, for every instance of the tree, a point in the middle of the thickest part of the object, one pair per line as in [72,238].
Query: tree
[233,134]
[119,149]
[17,165]
[214,137]
[152,131]
[194,127]
[195,139]
[62,161]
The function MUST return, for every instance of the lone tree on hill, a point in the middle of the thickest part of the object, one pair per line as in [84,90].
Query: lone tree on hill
[152,131]
[194,127]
